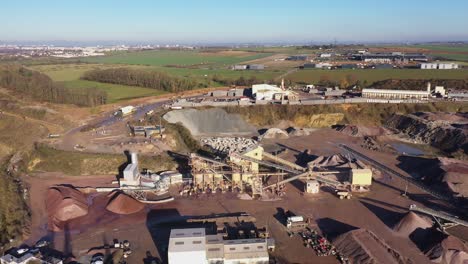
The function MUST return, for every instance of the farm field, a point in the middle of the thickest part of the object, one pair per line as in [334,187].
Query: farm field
[115,92]
[314,76]
[450,52]
[70,72]
[180,58]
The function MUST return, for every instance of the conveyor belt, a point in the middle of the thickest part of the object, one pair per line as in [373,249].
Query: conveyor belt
[282,161]
[269,164]
[392,172]
[438,214]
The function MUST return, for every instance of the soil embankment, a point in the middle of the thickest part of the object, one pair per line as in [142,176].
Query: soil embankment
[445,131]
[448,174]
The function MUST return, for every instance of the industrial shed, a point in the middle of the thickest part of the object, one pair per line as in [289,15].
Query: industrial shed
[187,246]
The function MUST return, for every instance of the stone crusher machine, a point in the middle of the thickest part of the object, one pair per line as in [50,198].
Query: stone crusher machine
[342,190]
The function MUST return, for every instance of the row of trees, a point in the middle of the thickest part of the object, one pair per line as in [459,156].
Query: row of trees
[38,86]
[141,78]
[241,81]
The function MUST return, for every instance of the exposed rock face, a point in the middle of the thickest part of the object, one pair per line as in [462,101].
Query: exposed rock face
[448,132]
[445,173]
[208,122]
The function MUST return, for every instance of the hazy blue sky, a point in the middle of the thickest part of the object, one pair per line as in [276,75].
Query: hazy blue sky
[234,21]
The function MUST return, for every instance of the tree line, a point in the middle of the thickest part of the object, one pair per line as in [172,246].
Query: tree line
[38,86]
[148,79]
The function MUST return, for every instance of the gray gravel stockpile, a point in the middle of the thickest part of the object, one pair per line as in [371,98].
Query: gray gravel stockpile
[210,122]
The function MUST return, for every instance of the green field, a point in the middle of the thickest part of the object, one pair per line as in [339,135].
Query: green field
[446,51]
[315,75]
[172,57]
[115,92]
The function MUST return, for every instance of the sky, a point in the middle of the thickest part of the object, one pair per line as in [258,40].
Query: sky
[239,21]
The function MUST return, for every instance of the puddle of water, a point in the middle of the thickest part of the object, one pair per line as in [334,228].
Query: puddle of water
[405,149]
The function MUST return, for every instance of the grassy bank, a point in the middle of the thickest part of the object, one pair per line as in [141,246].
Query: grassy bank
[115,92]
[326,115]
[47,159]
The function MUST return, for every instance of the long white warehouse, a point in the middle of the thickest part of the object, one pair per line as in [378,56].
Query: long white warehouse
[395,94]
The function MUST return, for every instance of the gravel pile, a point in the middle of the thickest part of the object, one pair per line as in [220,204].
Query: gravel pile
[228,145]
[64,204]
[210,122]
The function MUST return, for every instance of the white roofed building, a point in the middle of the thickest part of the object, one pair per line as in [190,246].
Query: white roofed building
[395,94]
[187,246]
[194,246]
[269,92]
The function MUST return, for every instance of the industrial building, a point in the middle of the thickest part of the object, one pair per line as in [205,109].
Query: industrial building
[360,178]
[208,173]
[187,246]
[395,94]
[126,110]
[131,174]
[269,92]
[239,67]
[298,58]
[256,67]
[195,246]
[439,66]
[394,57]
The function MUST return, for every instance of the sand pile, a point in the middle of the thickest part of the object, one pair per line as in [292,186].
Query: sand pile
[410,223]
[213,121]
[363,246]
[274,133]
[121,203]
[63,204]
[450,251]
[299,132]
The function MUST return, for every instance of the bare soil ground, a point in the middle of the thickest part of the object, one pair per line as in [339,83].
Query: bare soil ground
[377,211]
